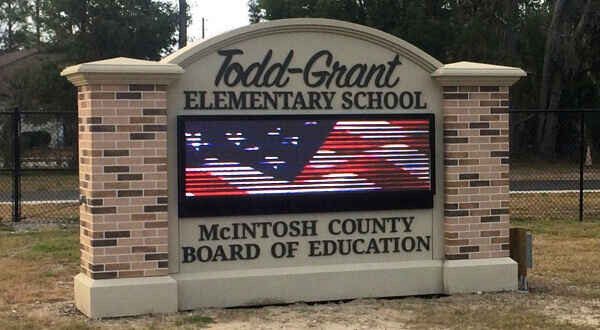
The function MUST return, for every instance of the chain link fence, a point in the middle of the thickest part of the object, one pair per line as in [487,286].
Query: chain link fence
[39,165]
[555,164]
[558,179]
[6,165]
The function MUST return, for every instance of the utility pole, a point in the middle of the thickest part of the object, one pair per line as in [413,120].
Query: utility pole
[182,23]
[202,27]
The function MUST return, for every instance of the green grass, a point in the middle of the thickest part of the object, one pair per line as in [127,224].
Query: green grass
[562,228]
[37,264]
[42,180]
[198,321]
[44,211]
[62,245]
[555,206]
[62,250]
[6,229]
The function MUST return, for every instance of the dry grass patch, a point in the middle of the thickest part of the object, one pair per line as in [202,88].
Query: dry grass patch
[555,206]
[489,311]
[564,295]
[42,319]
[59,210]
[566,256]
[39,265]
[576,261]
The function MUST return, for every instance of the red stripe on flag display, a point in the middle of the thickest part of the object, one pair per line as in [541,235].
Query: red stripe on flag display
[356,155]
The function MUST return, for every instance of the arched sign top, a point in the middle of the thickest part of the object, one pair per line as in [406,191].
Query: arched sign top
[197,50]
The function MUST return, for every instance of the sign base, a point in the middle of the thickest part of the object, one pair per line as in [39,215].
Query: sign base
[309,284]
[168,294]
[125,297]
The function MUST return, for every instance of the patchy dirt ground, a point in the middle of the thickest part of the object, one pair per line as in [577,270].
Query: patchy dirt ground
[565,293]
[476,311]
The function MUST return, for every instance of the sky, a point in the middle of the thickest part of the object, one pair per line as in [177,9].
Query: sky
[220,16]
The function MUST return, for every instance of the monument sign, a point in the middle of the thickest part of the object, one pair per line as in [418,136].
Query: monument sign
[295,160]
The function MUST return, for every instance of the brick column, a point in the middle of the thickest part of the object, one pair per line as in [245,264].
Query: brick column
[476,183]
[123,180]
[123,186]
[476,214]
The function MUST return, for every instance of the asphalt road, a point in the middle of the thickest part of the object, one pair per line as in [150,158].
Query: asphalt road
[552,185]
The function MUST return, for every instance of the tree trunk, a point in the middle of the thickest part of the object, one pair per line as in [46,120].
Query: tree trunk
[547,146]
[38,21]
[547,122]
[561,33]
[9,31]
[84,18]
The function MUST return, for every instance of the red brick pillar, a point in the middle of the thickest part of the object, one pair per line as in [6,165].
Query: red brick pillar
[123,178]
[476,172]
[123,186]
[476,182]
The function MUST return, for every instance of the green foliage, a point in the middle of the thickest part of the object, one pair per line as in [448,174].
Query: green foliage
[94,30]
[41,87]
[450,30]
[500,32]
[555,42]
[14,25]
[255,14]
[347,10]
[78,31]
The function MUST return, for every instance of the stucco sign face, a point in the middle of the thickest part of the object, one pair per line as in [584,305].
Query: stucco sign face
[309,127]
[321,72]
[326,123]
[303,147]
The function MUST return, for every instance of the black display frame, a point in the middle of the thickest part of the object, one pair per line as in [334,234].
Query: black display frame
[217,206]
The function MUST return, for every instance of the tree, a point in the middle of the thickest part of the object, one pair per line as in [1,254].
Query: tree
[347,10]
[255,13]
[555,41]
[450,30]
[74,31]
[571,25]
[14,25]
[93,30]
[78,31]
[41,87]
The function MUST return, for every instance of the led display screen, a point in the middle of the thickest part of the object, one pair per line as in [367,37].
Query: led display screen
[238,165]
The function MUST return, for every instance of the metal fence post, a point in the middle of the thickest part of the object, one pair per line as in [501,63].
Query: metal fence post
[16,137]
[581,160]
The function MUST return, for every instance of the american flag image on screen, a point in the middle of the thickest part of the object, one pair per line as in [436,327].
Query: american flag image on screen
[306,155]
